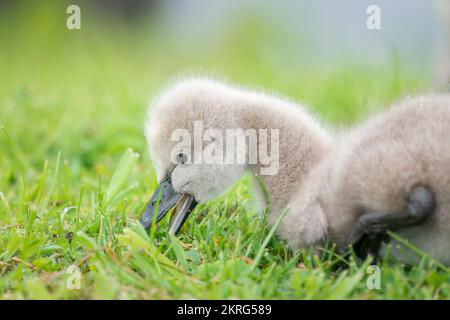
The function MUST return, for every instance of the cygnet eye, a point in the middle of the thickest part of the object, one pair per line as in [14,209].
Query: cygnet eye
[181,158]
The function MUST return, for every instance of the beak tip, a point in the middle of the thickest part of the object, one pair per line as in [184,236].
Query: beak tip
[181,212]
[164,199]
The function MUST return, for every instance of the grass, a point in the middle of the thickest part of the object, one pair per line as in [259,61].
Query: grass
[72,105]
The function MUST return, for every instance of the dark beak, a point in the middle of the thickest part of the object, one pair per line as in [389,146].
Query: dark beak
[164,199]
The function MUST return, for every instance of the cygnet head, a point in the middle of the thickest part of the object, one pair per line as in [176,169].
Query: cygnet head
[178,121]
[188,130]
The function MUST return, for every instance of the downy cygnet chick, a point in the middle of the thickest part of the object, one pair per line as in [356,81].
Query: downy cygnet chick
[193,117]
[391,173]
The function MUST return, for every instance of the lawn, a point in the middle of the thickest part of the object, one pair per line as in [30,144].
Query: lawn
[75,174]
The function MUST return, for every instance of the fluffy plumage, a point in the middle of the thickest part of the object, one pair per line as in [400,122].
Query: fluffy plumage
[303,142]
[375,167]
[326,185]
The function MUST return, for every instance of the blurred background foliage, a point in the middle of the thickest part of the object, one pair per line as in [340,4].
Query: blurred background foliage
[85,92]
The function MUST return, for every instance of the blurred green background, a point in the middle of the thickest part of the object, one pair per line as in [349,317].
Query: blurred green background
[72,102]
[85,92]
